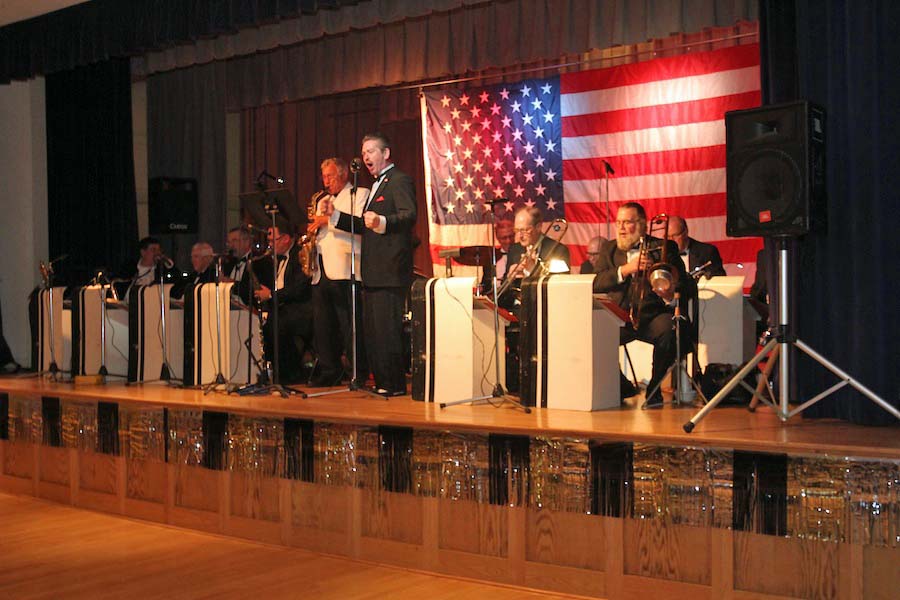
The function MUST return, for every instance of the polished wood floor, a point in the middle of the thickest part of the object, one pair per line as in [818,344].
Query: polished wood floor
[724,427]
[53,551]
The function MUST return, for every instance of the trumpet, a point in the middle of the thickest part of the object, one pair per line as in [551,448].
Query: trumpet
[309,254]
[660,276]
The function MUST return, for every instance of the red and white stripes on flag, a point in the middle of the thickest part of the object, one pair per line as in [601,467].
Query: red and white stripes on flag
[660,124]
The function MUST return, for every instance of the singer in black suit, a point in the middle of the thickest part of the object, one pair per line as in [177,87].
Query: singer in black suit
[695,254]
[618,263]
[386,264]
[294,304]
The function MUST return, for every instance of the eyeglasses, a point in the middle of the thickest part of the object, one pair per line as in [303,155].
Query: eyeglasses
[620,223]
[524,230]
[593,254]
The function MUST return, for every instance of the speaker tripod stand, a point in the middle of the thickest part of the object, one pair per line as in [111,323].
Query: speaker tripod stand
[783,339]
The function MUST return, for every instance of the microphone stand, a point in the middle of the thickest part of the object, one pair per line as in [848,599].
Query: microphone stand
[678,368]
[102,372]
[47,278]
[607,170]
[355,385]
[220,378]
[498,393]
[261,388]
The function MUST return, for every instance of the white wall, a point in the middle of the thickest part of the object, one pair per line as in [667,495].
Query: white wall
[23,205]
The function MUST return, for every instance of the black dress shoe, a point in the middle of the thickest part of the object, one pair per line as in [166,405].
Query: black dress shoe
[626,388]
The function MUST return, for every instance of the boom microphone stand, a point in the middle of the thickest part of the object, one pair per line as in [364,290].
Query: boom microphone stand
[498,393]
[784,339]
[355,385]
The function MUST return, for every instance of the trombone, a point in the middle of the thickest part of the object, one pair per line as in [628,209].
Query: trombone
[532,254]
[661,276]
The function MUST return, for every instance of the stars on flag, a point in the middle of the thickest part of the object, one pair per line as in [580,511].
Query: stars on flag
[499,142]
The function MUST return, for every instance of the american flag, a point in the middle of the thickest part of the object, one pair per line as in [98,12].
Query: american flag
[659,124]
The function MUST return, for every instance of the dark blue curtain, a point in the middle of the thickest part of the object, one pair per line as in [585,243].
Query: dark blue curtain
[101,29]
[90,169]
[843,56]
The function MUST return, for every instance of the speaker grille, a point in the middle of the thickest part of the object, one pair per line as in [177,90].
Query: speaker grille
[768,190]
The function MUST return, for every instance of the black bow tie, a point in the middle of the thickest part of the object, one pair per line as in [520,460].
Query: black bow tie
[683,253]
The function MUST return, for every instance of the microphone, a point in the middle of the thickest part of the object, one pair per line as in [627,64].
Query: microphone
[267,175]
[265,254]
[355,165]
[608,168]
[496,201]
[165,260]
[59,258]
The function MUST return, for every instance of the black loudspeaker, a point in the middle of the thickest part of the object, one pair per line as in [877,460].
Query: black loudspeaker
[776,170]
[173,205]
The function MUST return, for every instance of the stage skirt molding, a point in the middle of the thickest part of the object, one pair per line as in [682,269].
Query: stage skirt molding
[578,515]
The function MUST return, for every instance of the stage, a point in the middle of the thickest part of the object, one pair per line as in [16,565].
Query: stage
[615,503]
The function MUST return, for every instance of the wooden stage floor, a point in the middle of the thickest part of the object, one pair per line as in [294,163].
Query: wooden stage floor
[725,427]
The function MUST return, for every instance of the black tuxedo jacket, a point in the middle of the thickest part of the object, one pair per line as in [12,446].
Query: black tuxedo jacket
[242,288]
[297,288]
[700,252]
[387,258]
[195,278]
[611,258]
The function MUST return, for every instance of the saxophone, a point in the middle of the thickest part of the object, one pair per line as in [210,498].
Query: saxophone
[309,254]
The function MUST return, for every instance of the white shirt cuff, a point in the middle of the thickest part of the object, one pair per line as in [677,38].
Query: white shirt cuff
[619,278]
[382,225]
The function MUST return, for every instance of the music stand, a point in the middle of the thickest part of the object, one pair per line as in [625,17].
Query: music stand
[498,393]
[263,207]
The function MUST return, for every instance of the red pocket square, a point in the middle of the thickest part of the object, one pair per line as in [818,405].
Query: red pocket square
[379,199]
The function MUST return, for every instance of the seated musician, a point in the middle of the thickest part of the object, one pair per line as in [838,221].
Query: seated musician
[204,271]
[530,250]
[151,264]
[694,254]
[619,262]
[294,304]
[593,256]
[239,242]
[504,236]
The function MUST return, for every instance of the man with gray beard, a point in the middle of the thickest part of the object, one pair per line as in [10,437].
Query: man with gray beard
[618,263]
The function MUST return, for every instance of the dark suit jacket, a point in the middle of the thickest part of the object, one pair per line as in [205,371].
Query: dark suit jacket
[297,288]
[243,287]
[700,252]
[611,258]
[207,276]
[387,258]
